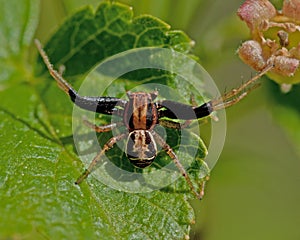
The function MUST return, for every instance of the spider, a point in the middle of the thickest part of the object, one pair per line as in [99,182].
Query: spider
[140,115]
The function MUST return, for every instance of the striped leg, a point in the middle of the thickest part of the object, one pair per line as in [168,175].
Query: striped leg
[236,95]
[104,128]
[111,142]
[175,159]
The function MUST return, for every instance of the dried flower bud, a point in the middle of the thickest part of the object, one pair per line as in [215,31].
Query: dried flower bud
[295,51]
[283,38]
[291,9]
[285,66]
[275,39]
[251,53]
[255,12]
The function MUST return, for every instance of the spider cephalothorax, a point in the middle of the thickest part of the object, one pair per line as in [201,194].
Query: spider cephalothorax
[140,114]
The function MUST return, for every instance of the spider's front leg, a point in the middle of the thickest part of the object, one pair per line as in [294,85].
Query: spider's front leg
[176,110]
[104,105]
[234,96]
[180,108]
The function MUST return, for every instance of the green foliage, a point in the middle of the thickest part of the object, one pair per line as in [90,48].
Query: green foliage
[109,30]
[17,22]
[38,160]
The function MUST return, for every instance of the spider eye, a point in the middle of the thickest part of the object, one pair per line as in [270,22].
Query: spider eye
[141,148]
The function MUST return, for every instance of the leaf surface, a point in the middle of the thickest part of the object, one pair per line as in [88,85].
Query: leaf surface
[39,162]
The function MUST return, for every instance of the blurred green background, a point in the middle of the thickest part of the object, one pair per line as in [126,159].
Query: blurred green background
[254,188]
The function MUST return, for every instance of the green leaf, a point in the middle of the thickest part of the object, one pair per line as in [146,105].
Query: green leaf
[38,159]
[18,20]
[93,36]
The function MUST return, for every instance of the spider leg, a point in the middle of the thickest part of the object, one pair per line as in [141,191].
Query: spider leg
[111,142]
[55,74]
[61,69]
[193,100]
[176,125]
[104,128]
[175,159]
[105,105]
[236,95]
[202,185]
[194,104]
[169,124]
[204,120]
[176,110]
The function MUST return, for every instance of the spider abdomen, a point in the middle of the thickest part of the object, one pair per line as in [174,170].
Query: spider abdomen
[141,148]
